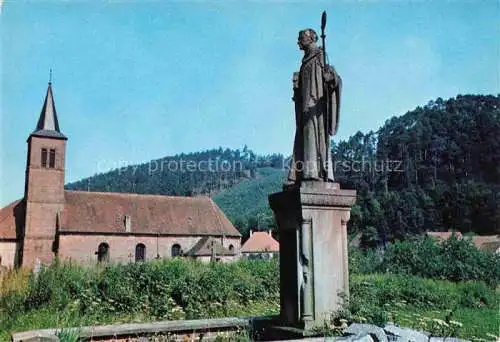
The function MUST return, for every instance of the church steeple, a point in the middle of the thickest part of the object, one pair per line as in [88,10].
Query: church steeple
[44,187]
[48,125]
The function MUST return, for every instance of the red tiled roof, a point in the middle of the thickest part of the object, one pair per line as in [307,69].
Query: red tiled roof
[260,242]
[8,221]
[104,212]
[444,235]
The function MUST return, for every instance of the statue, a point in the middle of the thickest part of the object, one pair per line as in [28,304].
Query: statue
[317,88]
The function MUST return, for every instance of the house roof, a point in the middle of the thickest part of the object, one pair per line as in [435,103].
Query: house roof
[8,221]
[204,248]
[48,125]
[444,235]
[489,243]
[260,242]
[105,212]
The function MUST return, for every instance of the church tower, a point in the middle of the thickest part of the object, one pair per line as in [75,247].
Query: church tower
[44,185]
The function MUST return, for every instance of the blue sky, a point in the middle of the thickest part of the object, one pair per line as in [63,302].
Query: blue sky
[138,80]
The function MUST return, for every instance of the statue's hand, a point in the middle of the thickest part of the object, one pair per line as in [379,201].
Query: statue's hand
[329,74]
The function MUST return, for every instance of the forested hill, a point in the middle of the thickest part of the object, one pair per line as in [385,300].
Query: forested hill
[435,168]
[185,174]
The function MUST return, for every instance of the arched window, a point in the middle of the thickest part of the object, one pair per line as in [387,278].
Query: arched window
[52,158]
[43,157]
[140,252]
[176,250]
[231,248]
[103,252]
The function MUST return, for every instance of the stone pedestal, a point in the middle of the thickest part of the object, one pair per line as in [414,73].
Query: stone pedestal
[312,220]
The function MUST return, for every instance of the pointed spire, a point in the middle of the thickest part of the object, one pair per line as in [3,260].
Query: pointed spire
[48,126]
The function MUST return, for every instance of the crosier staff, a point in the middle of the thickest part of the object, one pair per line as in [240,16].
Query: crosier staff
[325,95]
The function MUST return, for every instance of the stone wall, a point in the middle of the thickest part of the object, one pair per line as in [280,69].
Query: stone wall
[187,330]
[82,248]
[8,253]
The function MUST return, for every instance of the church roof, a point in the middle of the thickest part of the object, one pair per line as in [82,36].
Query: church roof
[105,212]
[48,125]
[8,221]
[204,248]
[260,242]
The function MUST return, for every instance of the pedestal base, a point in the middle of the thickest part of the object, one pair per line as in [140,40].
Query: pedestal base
[312,221]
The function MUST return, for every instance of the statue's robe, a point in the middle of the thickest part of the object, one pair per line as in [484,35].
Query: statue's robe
[316,119]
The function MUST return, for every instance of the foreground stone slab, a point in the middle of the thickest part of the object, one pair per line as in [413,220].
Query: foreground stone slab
[312,221]
[47,335]
[356,338]
[395,333]
[182,329]
[374,331]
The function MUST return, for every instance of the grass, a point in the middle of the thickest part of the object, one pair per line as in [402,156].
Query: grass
[474,324]
[72,296]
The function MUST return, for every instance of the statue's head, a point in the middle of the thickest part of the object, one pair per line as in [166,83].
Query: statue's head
[307,39]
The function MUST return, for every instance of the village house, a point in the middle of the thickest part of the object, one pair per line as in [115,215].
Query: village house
[488,243]
[260,245]
[441,236]
[88,227]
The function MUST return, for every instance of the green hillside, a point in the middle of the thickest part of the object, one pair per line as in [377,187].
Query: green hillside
[246,204]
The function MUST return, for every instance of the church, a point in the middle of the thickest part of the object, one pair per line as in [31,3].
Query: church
[89,227]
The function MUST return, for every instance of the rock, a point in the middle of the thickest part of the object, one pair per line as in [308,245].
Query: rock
[447,339]
[361,337]
[36,336]
[375,332]
[395,333]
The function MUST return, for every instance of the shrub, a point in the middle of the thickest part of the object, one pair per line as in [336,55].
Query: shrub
[164,289]
[452,259]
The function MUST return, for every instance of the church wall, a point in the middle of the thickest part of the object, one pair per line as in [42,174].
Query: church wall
[82,248]
[8,253]
[208,258]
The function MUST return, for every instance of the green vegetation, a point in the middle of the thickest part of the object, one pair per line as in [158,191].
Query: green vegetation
[198,173]
[246,204]
[68,295]
[452,259]
[65,295]
[449,177]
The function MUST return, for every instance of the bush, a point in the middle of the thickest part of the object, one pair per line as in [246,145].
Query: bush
[452,259]
[165,289]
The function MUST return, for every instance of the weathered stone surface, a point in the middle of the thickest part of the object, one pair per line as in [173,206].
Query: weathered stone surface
[37,336]
[361,337]
[375,332]
[315,120]
[137,329]
[447,339]
[395,333]
[311,339]
[312,221]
